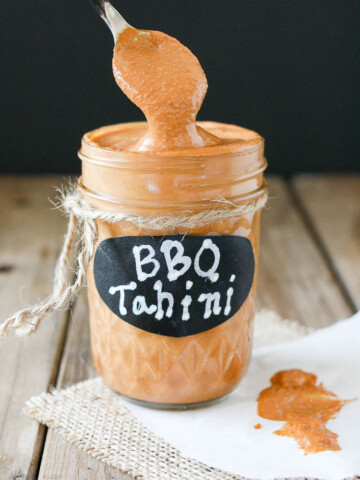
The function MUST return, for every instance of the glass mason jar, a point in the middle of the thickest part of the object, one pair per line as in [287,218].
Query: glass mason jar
[158,369]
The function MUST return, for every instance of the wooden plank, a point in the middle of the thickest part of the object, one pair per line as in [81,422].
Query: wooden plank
[60,458]
[332,207]
[30,237]
[294,280]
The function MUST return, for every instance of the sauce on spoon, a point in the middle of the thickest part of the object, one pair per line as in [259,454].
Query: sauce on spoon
[165,80]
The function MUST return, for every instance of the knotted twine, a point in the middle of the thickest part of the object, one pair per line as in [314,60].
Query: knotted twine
[82,224]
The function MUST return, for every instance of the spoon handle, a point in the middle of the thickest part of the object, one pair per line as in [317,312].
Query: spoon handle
[111,17]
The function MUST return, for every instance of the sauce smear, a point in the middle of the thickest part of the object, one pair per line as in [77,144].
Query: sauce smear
[295,398]
[165,80]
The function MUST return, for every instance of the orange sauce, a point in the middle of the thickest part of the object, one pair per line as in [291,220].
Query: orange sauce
[295,398]
[165,80]
[167,166]
[137,363]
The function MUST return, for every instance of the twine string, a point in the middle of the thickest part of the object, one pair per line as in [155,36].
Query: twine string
[82,224]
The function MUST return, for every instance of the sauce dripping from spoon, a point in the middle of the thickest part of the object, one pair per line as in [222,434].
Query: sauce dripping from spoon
[165,80]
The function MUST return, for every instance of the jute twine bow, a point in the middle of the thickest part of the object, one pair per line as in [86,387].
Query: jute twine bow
[82,225]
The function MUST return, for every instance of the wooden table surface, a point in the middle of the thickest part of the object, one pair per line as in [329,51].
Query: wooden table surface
[309,271]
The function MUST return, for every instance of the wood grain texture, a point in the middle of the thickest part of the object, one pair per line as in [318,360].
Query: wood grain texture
[332,206]
[30,237]
[61,460]
[294,280]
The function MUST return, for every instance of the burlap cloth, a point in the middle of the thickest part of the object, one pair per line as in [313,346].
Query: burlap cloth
[92,417]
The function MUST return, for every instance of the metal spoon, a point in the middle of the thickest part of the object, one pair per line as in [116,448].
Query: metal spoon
[111,17]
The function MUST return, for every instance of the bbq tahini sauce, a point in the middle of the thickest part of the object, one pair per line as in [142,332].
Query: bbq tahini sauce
[165,166]
[165,80]
[306,408]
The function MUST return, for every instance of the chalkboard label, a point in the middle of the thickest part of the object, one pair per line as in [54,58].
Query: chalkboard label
[174,285]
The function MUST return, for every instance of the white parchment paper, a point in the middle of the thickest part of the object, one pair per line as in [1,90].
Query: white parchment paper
[223,435]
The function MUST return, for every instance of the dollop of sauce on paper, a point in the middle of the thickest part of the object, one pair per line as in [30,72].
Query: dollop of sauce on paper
[295,398]
[165,80]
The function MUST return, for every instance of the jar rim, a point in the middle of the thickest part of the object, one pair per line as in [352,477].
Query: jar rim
[191,205]
[123,178]
[251,143]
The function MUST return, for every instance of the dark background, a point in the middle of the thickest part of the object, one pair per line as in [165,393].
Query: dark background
[286,68]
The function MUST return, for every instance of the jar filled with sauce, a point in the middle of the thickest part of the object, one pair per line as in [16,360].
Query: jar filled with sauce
[155,359]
